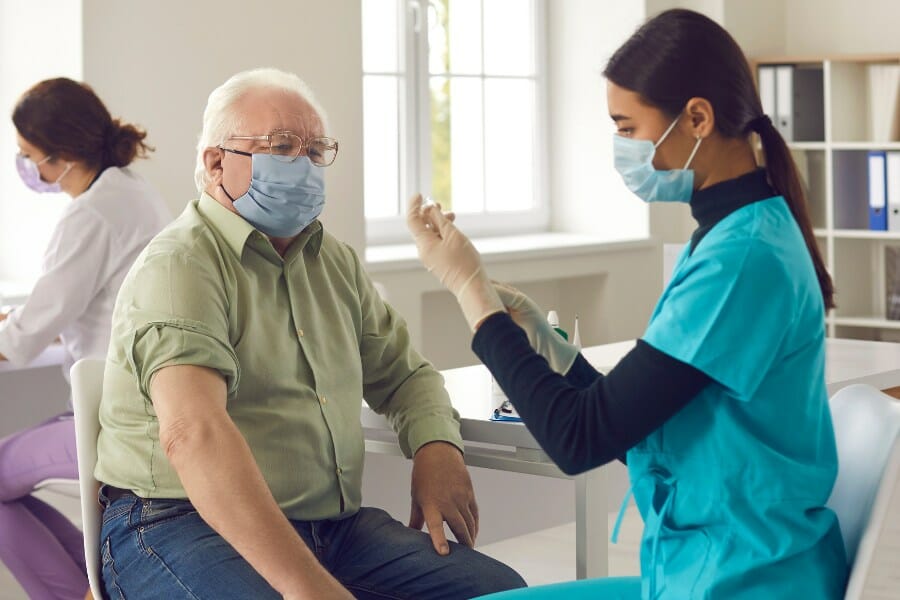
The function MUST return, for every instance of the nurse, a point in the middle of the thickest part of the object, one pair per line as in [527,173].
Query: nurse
[69,143]
[720,410]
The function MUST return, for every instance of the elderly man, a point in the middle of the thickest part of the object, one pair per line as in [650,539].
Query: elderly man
[243,341]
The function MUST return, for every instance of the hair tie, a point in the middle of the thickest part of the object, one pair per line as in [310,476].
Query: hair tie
[759,123]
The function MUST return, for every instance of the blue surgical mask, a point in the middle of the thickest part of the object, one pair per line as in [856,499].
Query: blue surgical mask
[284,197]
[634,162]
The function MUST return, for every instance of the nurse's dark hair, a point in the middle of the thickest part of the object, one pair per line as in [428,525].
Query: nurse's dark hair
[681,54]
[65,119]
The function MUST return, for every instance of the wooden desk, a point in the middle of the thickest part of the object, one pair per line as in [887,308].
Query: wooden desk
[510,447]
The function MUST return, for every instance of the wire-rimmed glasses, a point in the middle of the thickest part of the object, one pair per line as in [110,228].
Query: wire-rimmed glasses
[287,146]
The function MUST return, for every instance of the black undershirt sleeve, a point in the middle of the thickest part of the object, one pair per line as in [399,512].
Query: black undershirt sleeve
[584,419]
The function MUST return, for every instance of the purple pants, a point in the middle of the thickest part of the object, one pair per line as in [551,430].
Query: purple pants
[42,548]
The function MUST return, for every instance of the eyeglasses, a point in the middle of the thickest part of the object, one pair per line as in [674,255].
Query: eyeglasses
[286,147]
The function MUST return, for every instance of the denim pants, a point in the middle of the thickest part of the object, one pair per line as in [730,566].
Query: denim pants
[153,548]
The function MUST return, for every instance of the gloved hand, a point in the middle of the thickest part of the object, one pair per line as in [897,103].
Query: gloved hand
[543,338]
[451,257]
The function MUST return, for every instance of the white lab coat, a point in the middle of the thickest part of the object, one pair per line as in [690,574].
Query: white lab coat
[98,237]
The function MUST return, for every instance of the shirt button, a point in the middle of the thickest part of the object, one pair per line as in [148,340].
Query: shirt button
[323,400]
[339,470]
[300,332]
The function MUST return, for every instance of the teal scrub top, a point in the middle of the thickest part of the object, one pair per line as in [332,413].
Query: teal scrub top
[732,489]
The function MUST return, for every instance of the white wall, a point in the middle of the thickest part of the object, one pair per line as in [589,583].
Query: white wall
[588,195]
[842,27]
[155,65]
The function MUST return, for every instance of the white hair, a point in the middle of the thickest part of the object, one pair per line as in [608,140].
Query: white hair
[220,120]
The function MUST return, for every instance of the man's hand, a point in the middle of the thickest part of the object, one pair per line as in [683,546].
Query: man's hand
[442,491]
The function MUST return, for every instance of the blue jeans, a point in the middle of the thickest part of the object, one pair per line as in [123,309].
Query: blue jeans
[163,549]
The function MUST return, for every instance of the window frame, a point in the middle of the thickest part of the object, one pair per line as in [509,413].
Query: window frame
[414,122]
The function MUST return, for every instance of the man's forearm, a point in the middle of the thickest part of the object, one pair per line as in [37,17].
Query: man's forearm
[223,482]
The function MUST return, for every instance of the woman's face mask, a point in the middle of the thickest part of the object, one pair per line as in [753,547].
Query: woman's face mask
[283,197]
[634,162]
[31,174]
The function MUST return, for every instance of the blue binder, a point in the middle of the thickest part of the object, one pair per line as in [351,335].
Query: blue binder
[877,190]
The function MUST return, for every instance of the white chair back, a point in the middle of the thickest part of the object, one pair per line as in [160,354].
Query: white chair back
[87,386]
[866,423]
[874,573]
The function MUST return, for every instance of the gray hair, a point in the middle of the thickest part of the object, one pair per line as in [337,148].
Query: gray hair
[220,121]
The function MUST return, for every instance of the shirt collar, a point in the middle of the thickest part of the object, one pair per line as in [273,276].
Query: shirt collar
[231,226]
[237,231]
[711,205]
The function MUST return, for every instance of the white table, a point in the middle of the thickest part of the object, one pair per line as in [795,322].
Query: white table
[510,447]
[53,355]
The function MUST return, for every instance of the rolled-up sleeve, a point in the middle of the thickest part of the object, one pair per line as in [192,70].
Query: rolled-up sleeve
[175,313]
[397,381]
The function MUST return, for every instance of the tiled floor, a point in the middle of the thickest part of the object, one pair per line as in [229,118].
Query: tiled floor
[546,556]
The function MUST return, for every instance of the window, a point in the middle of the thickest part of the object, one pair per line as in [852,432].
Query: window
[453,94]
[27,219]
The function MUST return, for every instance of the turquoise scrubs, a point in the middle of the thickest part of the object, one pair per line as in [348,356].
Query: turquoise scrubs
[732,489]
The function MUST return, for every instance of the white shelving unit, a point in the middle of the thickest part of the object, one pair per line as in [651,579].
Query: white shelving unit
[835,173]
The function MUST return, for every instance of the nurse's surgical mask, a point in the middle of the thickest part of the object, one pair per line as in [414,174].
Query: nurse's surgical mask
[31,175]
[634,162]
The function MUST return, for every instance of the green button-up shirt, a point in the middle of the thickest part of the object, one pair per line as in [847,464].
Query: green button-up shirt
[300,341]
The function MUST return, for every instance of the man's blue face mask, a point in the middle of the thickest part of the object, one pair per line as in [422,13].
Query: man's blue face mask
[634,162]
[284,197]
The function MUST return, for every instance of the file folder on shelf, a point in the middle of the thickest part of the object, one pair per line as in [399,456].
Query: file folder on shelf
[877,190]
[794,98]
[808,96]
[893,191]
[766,77]
[784,101]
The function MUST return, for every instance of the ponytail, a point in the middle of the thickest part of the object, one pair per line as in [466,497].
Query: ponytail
[783,175]
[122,144]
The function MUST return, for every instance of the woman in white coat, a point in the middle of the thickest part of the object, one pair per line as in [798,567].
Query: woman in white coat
[69,143]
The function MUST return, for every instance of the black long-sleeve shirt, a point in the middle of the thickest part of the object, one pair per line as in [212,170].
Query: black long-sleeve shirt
[585,419]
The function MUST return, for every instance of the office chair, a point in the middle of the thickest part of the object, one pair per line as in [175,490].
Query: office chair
[59,485]
[866,426]
[87,385]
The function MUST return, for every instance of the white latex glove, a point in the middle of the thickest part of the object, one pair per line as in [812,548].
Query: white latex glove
[543,338]
[451,257]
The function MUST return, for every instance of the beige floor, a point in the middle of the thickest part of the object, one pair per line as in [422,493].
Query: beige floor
[548,556]
[542,557]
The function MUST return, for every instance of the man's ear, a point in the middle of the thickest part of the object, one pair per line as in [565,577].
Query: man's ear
[212,160]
